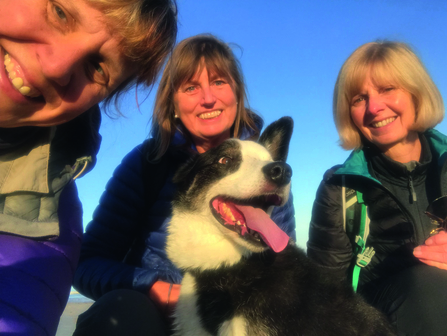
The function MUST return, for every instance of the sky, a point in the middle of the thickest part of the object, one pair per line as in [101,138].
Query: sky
[291,52]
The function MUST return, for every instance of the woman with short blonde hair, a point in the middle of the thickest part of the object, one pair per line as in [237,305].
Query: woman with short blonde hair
[388,63]
[385,106]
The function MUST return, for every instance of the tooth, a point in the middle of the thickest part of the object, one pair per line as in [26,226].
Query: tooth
[228,212]
[25,90]
[10,66]
[17,82]
[7,56]
[7,61]
[12,75]
[33,95]
[210,115]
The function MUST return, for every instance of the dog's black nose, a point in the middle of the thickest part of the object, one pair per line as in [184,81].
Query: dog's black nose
[278,172]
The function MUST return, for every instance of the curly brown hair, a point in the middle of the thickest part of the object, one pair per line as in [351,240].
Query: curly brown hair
[147,30]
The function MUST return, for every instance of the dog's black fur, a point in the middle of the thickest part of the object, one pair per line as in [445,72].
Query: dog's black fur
[237,285]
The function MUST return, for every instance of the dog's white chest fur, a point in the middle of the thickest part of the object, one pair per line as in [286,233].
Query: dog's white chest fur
[204,238]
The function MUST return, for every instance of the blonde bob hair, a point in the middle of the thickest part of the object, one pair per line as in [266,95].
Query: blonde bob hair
[190,56]
[147,30]
[388,63]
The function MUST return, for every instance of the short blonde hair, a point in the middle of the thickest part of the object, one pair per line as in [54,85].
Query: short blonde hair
[388,63]
[147,30]
[189,56]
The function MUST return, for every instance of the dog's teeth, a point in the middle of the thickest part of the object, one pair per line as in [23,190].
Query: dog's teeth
[228,212]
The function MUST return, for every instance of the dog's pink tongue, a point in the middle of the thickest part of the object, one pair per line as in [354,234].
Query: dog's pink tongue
[259,221]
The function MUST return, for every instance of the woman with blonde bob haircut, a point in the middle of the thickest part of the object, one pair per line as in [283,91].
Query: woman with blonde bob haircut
[200,103]
[385,107]
[389,63]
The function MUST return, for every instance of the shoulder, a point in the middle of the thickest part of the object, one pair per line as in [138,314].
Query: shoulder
[134,157]
[131,166]
[78,138]
[329,174]
[329,192]
[437,140]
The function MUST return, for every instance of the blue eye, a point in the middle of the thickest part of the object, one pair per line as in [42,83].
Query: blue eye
[357,100]
[95,73]
[60,13]
[98,69]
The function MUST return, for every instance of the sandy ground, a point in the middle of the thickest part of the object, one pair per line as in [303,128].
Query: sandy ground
[68,319]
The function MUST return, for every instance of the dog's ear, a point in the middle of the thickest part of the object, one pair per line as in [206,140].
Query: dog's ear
[184,169]
[276,138]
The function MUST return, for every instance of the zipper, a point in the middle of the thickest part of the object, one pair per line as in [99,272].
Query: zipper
[83,161]
[413,196]
[404,211]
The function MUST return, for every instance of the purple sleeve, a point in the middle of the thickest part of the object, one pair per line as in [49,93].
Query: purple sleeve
[36,276]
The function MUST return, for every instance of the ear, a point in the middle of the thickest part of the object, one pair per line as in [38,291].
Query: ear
[276,138]
[183,171]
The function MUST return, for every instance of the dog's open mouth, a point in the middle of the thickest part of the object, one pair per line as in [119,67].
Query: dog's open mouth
[249,219]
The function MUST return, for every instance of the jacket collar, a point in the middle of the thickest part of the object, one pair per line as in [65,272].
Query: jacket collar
[356,164]
[438,142]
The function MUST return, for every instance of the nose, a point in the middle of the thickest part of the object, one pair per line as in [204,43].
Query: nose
[60,61]
[375,104]
[208,97]
[278,172]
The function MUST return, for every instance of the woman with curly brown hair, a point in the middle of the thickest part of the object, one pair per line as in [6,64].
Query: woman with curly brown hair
[61,58]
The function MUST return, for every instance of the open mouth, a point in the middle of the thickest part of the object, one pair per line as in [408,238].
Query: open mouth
[383,122]
[249,219]
[210,115]
[15,75]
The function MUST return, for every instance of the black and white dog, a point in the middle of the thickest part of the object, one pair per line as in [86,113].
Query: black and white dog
[242,274]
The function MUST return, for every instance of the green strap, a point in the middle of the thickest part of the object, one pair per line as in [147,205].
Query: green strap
[359,217]
[355,277]
[364,254]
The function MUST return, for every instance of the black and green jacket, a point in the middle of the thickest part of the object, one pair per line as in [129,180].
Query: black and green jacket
[394,230]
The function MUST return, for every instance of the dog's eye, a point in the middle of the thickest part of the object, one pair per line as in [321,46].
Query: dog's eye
[225,160]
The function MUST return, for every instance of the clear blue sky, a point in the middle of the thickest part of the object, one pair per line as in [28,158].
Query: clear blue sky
[291,52]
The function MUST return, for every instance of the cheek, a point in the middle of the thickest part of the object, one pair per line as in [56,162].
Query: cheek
[357,116]
[407,110]
[230,98]
[15,17]
[184,105]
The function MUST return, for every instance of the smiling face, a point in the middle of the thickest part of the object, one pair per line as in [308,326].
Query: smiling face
[384,115]
[60,59]
[207,107]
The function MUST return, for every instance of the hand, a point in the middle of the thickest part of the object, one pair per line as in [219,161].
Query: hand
[165,295]
[434,251]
